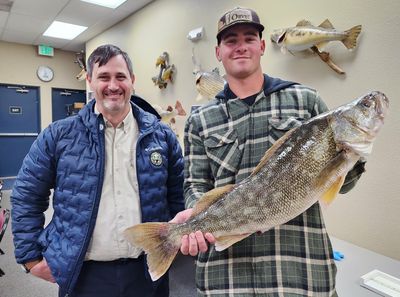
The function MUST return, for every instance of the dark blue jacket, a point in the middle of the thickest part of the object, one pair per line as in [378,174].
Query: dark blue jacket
[68,156]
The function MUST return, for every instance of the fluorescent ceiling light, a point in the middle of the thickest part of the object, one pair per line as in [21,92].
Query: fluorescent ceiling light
[64,30]
[107,3]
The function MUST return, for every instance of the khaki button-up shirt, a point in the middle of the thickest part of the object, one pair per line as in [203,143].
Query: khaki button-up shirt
[120,203]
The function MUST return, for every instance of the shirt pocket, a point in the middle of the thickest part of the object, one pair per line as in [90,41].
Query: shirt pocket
[223,152]
[279,126]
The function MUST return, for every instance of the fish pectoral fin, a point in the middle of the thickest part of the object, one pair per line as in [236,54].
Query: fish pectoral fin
[321,45]
[271,151]
[332,192]
[284,50]
[303,23]
[210,197]
[326,25]
[334,174]
[223,242]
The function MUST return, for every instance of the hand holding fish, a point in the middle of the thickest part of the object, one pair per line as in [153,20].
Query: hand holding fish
[195,241]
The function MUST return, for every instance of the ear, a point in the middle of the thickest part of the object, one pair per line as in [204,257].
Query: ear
[217,53]
[88,78]
[262,44]
[133,79]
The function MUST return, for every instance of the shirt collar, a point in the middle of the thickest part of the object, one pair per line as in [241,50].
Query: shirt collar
[124,125]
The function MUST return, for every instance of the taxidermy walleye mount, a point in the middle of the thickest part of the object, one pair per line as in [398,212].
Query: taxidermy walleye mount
[166,71]
[305,37]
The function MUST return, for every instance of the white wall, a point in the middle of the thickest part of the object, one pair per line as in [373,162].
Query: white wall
[369,215]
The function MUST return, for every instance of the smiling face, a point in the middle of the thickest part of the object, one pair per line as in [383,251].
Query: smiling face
[240,51]
[112,85]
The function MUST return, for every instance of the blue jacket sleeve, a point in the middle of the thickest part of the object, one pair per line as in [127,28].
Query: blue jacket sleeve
[30,197]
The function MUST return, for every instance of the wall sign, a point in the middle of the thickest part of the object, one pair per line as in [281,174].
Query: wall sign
[15,110]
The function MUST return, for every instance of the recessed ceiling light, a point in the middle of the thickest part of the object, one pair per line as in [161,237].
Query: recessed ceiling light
[107,3]
[64,30]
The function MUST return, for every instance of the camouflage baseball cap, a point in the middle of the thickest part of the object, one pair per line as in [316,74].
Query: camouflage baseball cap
[238,15]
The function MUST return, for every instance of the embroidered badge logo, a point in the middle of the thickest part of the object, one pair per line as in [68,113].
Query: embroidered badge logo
[156,158]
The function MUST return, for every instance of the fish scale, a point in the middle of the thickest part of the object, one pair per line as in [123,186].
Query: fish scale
[307,164]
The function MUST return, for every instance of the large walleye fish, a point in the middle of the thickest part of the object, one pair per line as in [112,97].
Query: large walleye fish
[309,163]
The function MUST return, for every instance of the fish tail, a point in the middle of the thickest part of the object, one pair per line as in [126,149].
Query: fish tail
[156,240]
[351,40]
[179,108]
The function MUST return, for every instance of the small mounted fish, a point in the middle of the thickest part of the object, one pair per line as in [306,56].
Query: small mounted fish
[306,37]
[80,60]
[170,113]
[166,71]
[209,84]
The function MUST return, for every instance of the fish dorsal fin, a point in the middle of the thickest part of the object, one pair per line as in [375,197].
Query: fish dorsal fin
[209,198]
[223,242]
[303,23]
[326,25]
[271,151]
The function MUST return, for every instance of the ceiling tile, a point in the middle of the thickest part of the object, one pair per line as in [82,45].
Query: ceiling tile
[17,37]
[26,23]
[54,42]
[83,13]
[39,8]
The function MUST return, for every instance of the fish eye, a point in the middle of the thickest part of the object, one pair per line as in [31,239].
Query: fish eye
[366,103]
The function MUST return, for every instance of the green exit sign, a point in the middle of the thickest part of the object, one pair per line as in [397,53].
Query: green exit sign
[45,50]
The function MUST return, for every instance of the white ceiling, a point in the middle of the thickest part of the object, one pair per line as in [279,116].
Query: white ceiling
[24,21]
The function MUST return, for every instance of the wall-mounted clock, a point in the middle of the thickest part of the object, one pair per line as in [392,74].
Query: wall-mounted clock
[45,73]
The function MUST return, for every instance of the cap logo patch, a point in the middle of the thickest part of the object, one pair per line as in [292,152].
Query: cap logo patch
[156,158]
[241,15]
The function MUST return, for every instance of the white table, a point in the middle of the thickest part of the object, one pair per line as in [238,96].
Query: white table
[357,262]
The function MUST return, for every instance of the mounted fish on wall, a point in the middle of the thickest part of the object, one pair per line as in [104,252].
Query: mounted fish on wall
[208,83]
[168,115]
[166,71]
[80,60]
[305,37]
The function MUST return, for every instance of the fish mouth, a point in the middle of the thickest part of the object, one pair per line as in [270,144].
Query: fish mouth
[382,103]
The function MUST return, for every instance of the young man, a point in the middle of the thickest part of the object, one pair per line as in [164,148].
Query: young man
[111,166]
[224,141]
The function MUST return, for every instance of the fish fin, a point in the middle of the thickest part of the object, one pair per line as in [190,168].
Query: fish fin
[179,108]
[154,239]
[334,173]
[271,151]
[351,40]
[332,192]
[209,198]
[303,23]
[284,50]
[326,25]
[321,45]
[223,242]
[200,97]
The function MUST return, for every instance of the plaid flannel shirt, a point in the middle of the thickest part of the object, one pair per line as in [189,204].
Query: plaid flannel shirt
[224,142]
